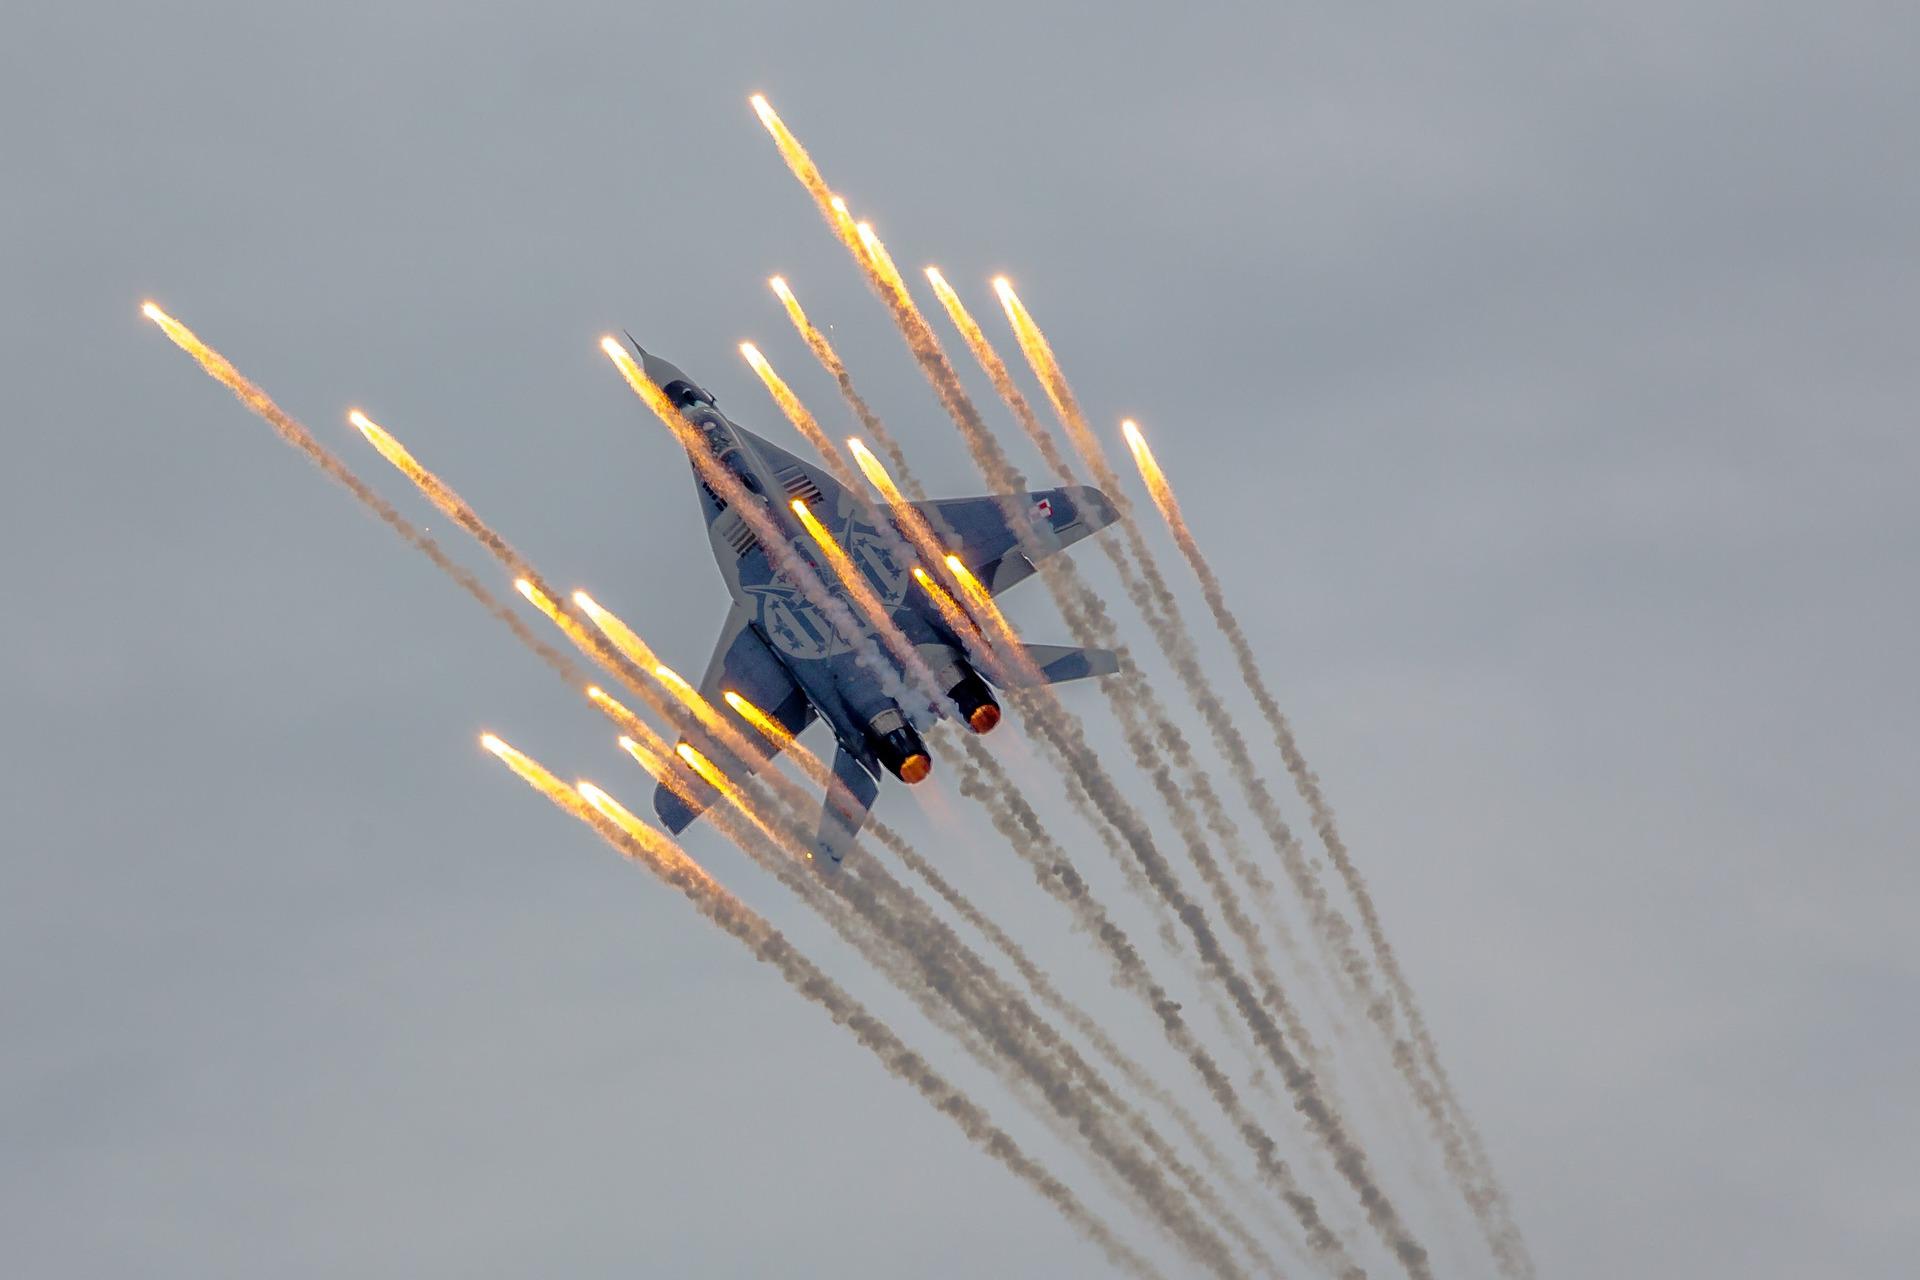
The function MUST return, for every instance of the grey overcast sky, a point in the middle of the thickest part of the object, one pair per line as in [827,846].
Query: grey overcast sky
[1543,378]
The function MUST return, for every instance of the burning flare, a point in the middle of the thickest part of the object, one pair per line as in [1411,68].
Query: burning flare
[640,833]
[396,453]
[997,372]
[831,206]
[905,514]
[653,758]
[1002,645]
[709,716]
[775,732]
[622,636]
[712,775]
[977,596]
[951,613]
[836,368]
[635,840]
[648,845]
[797,413]
[545,604]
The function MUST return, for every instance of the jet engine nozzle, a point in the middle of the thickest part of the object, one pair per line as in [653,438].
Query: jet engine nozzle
[975,702]
[899,746]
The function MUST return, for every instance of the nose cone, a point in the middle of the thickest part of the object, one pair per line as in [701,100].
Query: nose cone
[664,374]
[660,372]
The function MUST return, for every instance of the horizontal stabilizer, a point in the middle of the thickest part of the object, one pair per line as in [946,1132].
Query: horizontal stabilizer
[1058,662]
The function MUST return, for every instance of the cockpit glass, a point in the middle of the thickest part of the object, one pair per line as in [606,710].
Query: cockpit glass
[686,395]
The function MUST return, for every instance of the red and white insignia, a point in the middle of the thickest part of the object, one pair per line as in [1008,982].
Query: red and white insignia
[1042,510]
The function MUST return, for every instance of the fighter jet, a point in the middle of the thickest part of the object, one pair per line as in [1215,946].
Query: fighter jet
[787,657]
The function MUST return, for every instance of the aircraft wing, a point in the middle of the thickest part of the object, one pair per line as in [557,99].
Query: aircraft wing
[977,531]
[742,664]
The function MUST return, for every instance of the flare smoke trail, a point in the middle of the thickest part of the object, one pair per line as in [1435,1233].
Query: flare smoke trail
[921,534]
[912,929]
[1438,1098]
[1062,730]
[1002,379]
[884,277]
[909,520]
[849,577]
[981,779]
[800,416]
[768,945]
[868,253]
[1136,1076]
[1038,1056]
[856,584]
[1218,822]
[645,685]
[528,580]
[1082,608]
[830,361]
[1322,1119]
[973,1009]
[1149,591]
[297,435]
[642,656]
[1066,1082]
[1148,587]
[1168,1206]
[294,433]
[661,856]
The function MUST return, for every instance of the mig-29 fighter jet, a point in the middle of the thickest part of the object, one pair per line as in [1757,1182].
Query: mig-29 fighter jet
[785,656]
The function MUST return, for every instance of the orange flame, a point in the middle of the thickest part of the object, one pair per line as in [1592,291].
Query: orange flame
[977,596]
[950,611]
[622,636]
[915,525]
[997,372]
[774,731]
[221,370]
[797,413]
[1161,490]
[832,207]
[1046,366]
[663,853]
[393,451]
[711,774]
[708,715]
[531,771]
[626,833]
